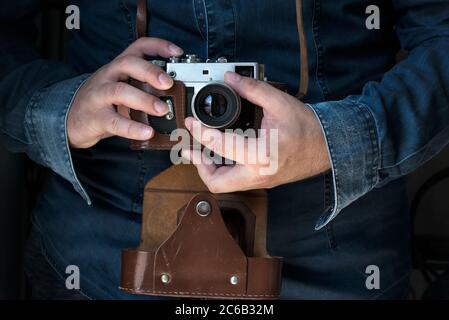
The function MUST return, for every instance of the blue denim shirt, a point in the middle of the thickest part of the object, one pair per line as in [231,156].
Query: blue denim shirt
[381,120]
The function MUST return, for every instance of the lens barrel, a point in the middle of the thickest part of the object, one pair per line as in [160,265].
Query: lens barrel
[216,106]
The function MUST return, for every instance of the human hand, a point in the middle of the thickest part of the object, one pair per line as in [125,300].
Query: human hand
[302,150]
[93,115]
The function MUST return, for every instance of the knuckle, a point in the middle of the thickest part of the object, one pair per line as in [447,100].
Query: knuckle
[143,101]
[115,122]
[123,62]
[152,69]
[117,89]
[252,84]
[141,41]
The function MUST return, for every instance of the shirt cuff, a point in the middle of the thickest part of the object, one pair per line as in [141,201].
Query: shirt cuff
[351,136]
[46,122]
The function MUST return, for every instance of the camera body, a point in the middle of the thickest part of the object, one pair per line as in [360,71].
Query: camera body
[200,92]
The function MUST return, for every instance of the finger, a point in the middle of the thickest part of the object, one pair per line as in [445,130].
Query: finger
[126,67]
[153,47]
[122,94]
[117,125]
[205,166]
[258,92]
[223,179]
[228,145]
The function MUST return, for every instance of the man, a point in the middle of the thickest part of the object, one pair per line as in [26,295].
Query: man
[337,202]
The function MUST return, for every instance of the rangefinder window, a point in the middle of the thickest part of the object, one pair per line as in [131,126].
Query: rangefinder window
[245,71]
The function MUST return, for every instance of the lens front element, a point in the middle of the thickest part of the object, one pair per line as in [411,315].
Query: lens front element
[216,106]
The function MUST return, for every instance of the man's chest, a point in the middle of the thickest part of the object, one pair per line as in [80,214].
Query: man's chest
[262,30]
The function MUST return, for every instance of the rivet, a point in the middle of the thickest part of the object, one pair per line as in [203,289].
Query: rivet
[165,278]
[203,208]
[169,116]
[234,280]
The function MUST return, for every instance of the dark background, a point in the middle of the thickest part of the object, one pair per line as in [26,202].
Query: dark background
[20,180]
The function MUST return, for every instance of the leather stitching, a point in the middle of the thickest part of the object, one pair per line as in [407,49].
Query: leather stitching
[198,293]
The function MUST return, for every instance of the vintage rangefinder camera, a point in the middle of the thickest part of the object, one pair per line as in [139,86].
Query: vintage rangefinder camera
[200,91]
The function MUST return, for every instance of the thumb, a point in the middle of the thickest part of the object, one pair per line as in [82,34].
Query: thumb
[258,92]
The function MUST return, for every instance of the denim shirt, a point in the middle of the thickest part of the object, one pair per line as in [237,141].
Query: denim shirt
[381,119]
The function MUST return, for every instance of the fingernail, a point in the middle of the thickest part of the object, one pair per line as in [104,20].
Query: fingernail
[233,77]
[160,107]
[146,132]
[165,80]
[175,50]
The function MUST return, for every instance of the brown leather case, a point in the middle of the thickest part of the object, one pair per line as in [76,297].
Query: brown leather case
[184,254]
[160,141]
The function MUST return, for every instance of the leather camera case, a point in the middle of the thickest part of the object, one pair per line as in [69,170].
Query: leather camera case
[221,255]
[160,141]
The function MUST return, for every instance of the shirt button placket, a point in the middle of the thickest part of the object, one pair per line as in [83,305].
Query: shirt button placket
[221,26]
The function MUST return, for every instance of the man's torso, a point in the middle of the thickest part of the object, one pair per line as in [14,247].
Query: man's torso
[343,56]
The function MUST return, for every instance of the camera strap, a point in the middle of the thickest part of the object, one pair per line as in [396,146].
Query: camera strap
[142,18]
[304,77]
[142,30]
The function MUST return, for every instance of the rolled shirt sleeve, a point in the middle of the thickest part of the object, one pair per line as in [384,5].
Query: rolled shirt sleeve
[36,99]
[397,124]
[46,124]
[353,148]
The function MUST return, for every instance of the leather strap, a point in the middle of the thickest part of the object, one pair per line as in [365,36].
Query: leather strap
[142,18]
[304,78]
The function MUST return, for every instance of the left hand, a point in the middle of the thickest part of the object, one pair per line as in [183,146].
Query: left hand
[302,150]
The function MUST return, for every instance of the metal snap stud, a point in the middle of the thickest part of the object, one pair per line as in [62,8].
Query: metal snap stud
[203,208]
[165,278]
[234,280]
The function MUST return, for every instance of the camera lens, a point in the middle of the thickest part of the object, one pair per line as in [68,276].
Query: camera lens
[216,106]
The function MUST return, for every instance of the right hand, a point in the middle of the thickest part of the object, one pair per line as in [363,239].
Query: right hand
[93,115]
